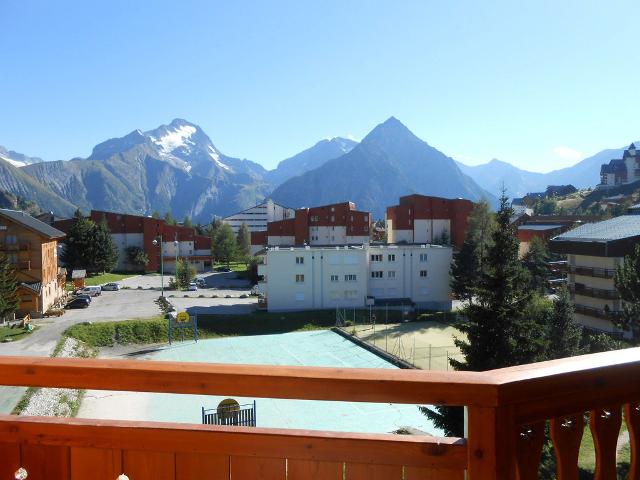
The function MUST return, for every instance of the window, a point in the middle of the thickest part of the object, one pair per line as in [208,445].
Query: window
[376,258]
[350,294]
[423,257]
[300,297]
[377,274]
[299,278]
[350,278]
[391,274]
[423,291]
[299,260]
[423,273]
[391,257]
[333,218]
[334,278]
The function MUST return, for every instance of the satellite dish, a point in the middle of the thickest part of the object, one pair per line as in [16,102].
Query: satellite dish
[228,407]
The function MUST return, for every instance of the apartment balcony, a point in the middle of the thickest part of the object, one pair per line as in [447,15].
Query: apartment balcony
[15,247]
[507,411]
[604,294]
[592,311]
[593,271]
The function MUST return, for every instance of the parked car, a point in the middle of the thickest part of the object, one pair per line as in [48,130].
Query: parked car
[201,283]
[192,287]
[93,291]
[77,303]
[84,296]
[223,269]
[111,287]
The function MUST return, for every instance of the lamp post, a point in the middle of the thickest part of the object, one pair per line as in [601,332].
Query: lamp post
[155,243]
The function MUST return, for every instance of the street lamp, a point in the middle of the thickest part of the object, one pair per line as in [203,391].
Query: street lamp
[155,244]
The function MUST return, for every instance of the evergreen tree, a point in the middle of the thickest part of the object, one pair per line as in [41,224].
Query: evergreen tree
[187,222]
[169,220]
[185,273]
[105,252]
[498,333]
[137,256]
[224,244]
[627,282]
[469,263]
[9,300]
[536,261]
[243,241]
[79,244]
[155,214]
[565,334]
[215,225]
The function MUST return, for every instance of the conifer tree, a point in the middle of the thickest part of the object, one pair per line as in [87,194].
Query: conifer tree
[536,261]
[469,263]
[105,252]
[627,282]
[565,334]
[78,243]
[185,273]
[187,221]
[498,333]
[9,300]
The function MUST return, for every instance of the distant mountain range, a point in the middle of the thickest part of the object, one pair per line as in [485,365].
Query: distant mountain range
[177,168]
[388,163]
[586,173]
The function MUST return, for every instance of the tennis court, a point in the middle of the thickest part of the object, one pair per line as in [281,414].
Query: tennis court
[315,348]
[427,345]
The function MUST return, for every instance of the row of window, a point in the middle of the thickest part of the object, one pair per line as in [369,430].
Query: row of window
[377,257]
[334,278]
[392,274]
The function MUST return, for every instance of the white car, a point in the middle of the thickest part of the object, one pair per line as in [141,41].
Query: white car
[192,287]
[93,291]
[112,287]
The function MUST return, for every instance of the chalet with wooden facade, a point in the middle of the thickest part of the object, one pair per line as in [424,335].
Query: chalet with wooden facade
[32,246]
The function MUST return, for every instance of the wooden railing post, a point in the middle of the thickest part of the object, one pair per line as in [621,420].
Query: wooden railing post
[491,443]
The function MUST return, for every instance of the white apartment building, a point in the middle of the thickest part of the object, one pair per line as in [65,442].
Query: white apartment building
[256,218]
[354,276]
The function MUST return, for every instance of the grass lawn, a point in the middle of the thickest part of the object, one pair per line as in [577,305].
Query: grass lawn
[12,333]
[107,277]
[587,457]
[234,266]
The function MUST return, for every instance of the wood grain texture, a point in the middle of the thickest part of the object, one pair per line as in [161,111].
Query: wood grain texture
[491,446]
[253,468]
[10,455]
[417,473]
[529,450]
[359,471]
[95,463]
[272,381]
[242,441]
[144,465]
[45,462]
[566,434]
[201,466]
[605,428]
[632,418]
[311,470]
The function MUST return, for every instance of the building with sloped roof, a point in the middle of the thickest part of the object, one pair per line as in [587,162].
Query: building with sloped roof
[594,251]
[32,248]
[621,171]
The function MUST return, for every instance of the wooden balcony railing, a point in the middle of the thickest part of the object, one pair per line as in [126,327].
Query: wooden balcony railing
[593,271]
[506,410]
[580,289]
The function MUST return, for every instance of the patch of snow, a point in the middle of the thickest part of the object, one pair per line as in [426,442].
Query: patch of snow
[216,158]
[15,163]
[175,138]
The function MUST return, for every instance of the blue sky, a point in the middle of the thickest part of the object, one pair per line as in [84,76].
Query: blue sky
[540,84]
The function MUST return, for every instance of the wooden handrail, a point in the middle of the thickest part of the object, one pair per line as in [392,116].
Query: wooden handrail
[305,383]
[412,450]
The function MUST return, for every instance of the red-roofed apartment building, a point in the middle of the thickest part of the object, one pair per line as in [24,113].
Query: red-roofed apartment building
[423,219]
[139,231]
[335,224]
